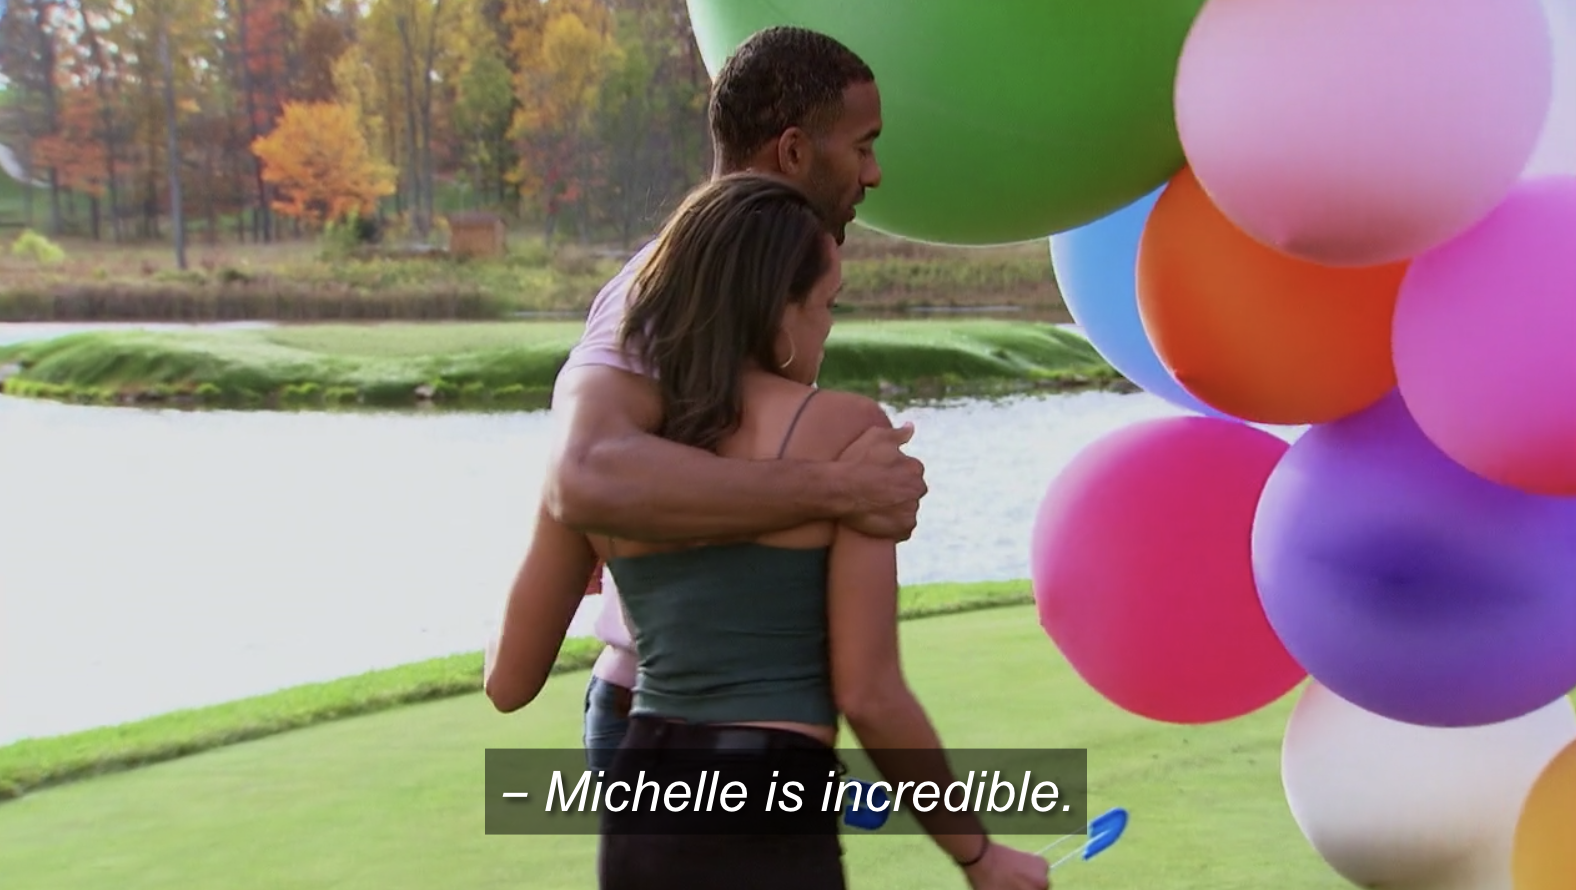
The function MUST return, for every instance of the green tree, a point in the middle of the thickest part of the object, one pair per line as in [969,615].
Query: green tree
[483,110]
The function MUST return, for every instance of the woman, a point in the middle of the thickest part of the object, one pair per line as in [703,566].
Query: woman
[760,645]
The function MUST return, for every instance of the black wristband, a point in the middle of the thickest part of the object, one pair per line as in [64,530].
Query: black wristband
[984,848]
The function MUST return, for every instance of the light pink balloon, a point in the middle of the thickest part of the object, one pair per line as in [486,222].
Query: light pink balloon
[1485,341]
[1361,132]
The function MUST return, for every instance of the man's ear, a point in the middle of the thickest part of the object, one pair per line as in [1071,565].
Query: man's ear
[794,149]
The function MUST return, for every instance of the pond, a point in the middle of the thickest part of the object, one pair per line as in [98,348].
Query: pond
[153,560]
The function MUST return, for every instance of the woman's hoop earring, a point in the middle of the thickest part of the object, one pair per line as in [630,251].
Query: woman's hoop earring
[792,351]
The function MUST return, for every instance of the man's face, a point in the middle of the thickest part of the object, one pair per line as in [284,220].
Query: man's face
[844,164]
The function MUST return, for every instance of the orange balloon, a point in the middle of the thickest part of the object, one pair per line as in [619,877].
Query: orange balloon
[1544,856]
[1256,333]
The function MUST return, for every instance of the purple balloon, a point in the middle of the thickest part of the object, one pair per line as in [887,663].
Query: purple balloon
[1410,586]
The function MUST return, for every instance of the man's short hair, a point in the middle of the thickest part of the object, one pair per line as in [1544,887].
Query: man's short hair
[780,77]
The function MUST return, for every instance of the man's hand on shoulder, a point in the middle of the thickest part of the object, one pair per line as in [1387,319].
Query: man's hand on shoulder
[886,485]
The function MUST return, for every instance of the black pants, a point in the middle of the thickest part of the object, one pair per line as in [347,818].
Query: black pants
[749,849]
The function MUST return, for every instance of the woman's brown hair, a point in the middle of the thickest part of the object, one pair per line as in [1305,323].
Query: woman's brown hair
[710,298]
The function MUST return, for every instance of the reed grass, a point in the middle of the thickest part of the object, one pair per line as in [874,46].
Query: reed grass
[296,281]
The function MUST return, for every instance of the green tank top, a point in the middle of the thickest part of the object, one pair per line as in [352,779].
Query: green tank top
[730,633]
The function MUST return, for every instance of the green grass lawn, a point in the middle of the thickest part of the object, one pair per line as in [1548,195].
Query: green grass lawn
[393,800]
[476,363]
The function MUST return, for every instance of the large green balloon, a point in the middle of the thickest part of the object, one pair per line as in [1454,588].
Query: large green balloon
[1005,120]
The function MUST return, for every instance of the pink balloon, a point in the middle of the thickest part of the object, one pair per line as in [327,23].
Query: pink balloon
[1362,132]
[1485,341]
[1143,573]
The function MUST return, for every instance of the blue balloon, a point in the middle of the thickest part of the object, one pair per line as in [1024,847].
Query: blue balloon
[1096,267]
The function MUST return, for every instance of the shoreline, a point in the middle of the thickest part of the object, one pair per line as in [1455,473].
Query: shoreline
[504,365]
[308,280]
[34,764]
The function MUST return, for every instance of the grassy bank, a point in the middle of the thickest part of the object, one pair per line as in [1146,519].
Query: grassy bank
[393,801]
[296,281]
[38,763]
[497,363]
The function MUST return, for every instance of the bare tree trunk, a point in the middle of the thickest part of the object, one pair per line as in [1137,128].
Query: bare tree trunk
[210,195]
[111,184]
[107,121]
[150,190]
[172,148]
[150,173]
[44,33]
[263,228]
[428,163]
[278,94]
[413,154]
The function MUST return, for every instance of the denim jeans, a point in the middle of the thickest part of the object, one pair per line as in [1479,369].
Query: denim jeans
[606,720]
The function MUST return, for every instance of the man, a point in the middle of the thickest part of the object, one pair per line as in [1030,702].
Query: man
[790,102]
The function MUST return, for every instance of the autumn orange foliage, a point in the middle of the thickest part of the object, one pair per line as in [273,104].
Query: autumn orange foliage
[321,164]
[74,149]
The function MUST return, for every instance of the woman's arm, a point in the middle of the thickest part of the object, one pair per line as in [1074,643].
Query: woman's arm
[867,679]
[547,592]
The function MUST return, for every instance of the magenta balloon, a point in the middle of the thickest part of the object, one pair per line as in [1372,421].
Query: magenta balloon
[1143,573]
[1485,341]
[1410,586]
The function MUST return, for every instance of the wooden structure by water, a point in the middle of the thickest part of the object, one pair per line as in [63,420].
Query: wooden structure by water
[477,234]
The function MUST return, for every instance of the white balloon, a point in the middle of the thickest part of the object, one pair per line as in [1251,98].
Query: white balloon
[1556,151]
[1394,805]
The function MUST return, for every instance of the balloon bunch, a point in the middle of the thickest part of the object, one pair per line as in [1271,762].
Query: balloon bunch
[1373,234]
[1357,216]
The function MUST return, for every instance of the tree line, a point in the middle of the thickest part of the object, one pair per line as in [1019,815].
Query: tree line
[267,118]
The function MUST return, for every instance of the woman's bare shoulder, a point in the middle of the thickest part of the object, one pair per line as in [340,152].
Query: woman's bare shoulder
[834,419]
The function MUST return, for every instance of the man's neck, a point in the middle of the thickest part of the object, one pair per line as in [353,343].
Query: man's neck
[765,162]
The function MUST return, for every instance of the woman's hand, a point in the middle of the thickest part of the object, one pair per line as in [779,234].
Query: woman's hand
[1004,868]
[547,593]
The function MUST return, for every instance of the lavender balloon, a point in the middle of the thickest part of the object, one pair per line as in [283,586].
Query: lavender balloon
[1410,586]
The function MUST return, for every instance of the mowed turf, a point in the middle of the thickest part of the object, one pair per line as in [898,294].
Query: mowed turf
[394,800]
[464,363]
